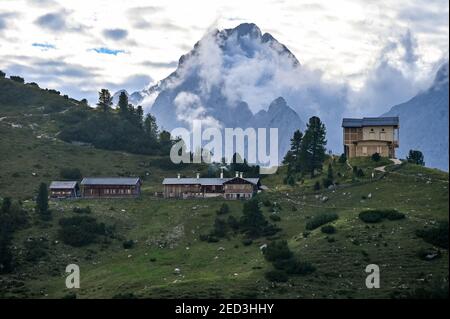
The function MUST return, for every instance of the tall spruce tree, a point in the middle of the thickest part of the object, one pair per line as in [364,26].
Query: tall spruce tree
[123,103]
[42,202]
[293,155]
[150,126]
[140,114]
[104,100]
[312,150]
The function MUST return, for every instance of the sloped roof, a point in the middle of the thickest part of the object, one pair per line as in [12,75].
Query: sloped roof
[63,184]
[204,181]
[370,121]
[110,181]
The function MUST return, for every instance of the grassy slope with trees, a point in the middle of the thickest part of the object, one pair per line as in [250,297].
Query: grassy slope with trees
[150,247]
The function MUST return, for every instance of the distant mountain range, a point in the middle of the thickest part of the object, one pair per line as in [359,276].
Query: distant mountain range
[424,122]
[242,78]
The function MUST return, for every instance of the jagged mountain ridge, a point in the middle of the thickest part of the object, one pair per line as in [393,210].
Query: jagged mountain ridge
[200,87]
[424,122]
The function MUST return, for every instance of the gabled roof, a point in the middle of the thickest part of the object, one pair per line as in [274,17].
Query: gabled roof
[370,121]
[110,181]
[63,184]
[204,181]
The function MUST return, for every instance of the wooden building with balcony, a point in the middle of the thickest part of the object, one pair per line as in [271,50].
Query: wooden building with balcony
[110,187]
[64,189]
[369,135]
[237,187]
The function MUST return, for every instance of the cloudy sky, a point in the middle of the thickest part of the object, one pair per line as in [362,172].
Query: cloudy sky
[79,47]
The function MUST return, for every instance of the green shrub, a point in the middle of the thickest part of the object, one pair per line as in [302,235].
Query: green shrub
[328,229]
[82,210]
[220,228]
[70,173]
[376,216]
[316,186]
[267,203]
[128,244]
[342,158]
[224,209]
[293,266]
[233,223]
[276,276]
[376,157]
[275,217]
[320,220]
[35,250]
[277,250]
[80,230]
[437,236]
[247,242]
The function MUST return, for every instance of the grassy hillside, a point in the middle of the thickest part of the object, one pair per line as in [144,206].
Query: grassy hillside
[166,232]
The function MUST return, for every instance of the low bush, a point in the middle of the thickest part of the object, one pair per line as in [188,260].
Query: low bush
[276,276]
[376,157]
[320,220]
[275,217]
[247,242]
[376,215]
[128,244]
[224,209]
[277,250]
[80,230]
[293,266]
[70,173]
[437,235]
[82,210]
[328,229]
[317,186]
[35,250]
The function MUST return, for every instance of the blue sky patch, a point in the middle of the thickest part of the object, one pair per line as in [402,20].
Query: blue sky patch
[44,46]
[107,51]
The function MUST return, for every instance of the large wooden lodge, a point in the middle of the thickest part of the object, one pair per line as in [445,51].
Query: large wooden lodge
[97,187]
[110,187]
[237,187]
[369,135]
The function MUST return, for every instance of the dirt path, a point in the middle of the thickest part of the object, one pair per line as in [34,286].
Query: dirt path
[396,161]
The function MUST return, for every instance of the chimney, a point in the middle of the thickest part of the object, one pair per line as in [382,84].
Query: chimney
[221,173]
[237,174]
[241,174]
[178,176]
[198,175]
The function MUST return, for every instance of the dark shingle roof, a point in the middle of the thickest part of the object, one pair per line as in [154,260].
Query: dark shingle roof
[204,181]
[110,181]
[63,184]
[370,121]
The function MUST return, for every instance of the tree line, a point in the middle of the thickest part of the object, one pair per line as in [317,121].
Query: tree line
[123,128]
[307,151]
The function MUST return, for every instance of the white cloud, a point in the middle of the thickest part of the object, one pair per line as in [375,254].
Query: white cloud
[341,38]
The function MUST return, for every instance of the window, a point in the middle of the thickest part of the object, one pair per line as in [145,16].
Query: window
[364,150]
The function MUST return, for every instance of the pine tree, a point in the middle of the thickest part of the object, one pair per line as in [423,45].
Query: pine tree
[104,100]
[140,114]
[123,103]
[415,157]
[150,126]
[330,174]
[42,202]
[312,150]
[292,158]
